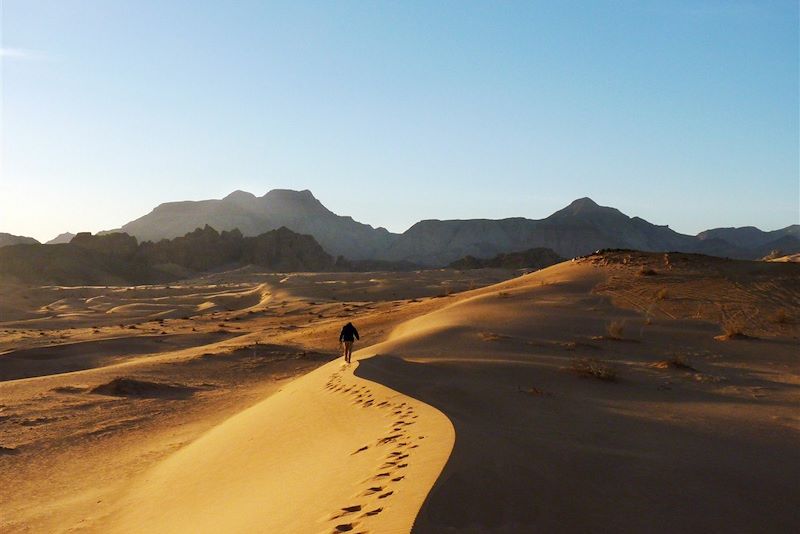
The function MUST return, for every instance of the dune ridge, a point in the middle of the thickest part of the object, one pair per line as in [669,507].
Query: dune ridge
[328,453]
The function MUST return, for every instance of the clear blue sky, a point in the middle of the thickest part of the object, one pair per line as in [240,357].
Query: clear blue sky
[684,113]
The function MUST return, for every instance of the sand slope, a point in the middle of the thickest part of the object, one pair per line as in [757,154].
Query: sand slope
[708,448]
[329,452]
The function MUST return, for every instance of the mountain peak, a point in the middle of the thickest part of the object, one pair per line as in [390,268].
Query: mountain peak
[240,196]
[583,204]
[289,194]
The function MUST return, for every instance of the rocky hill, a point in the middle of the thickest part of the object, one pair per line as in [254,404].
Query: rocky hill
[298,211]
[66,237]
[10,239]
[578,229]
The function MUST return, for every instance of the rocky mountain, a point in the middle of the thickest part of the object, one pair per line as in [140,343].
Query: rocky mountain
[535,258]
[10,239]
[578,229]
[66,237]
[749,236]
[298,211]
[754,242]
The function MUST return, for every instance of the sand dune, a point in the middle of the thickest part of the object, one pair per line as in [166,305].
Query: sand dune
[327,453]
[117,394]
[591,396]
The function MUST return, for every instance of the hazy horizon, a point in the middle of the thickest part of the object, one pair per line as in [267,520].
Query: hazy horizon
[684,114]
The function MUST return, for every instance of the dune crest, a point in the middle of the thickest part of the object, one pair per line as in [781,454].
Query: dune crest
[330,452]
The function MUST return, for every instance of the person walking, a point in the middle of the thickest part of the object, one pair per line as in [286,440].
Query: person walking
[347,337]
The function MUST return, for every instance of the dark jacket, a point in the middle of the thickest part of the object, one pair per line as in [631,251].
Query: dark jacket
[348,331]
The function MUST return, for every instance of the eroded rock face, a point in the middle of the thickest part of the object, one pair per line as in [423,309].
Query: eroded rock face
[117,258]
[118,244]
[284,250]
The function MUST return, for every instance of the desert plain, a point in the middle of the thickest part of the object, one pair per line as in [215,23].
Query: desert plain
[617,392]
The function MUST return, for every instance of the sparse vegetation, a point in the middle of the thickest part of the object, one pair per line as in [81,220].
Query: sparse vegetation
[493,336]
[675,362]
[616,329]
[734,329]
[593,368]
[780,316]
[645,271]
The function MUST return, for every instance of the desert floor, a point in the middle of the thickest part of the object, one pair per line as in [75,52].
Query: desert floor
[622,392]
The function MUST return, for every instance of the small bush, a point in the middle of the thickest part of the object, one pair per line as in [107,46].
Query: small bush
[592,368]
[662,294]
[781,316]
[616,329]
[734,329]
[647,272]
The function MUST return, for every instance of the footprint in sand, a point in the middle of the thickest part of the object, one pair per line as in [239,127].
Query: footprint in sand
[373,489]
[344,527]
[347,510]
[376,511]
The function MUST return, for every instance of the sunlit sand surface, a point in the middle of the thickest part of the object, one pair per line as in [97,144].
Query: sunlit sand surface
[625,392]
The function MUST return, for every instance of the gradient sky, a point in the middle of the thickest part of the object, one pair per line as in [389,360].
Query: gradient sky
[684,113]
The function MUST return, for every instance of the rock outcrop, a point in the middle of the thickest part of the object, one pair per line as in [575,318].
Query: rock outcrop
[535,258]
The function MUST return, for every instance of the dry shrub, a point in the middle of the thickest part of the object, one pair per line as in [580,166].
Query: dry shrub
[780,316]
[504,294]
[662,294]
[593,368]
[616,329]
[493,336]
[734,329]
[644,271]
[675,362]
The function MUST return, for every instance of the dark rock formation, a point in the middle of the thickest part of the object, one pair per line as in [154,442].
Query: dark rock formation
[535,258]
[117,259]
